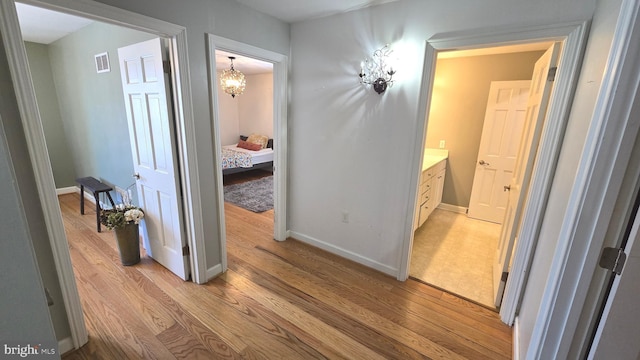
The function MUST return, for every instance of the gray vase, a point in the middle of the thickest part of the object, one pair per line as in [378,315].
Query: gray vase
[129,244]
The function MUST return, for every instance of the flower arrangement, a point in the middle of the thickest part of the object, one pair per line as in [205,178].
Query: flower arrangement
[120,216]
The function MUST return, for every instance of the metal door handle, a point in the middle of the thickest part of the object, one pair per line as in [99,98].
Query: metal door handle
[507,188]
[482,162]
[136,176]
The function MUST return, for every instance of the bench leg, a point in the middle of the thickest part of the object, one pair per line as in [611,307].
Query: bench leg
[81,199]
[97,197]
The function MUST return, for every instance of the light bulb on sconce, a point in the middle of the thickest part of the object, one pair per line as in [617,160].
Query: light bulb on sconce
[377,71]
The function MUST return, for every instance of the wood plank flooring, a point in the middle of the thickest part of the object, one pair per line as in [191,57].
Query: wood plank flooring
[279,300]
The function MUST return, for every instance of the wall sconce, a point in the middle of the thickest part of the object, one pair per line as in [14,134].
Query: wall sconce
[377,71]
[232,81]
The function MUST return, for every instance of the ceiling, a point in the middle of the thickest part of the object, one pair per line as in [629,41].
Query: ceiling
[45,26]
[298,10]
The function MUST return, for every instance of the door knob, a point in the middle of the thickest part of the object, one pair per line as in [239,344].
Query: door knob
[136,176]
[482,162]
[507,188]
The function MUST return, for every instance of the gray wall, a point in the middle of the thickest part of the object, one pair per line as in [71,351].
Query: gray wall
[458,108]
[91,104]
[24,317]
[57,143]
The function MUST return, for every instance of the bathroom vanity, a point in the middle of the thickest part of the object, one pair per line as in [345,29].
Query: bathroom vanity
[434,166]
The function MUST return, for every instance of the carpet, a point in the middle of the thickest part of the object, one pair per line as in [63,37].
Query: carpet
[255,195]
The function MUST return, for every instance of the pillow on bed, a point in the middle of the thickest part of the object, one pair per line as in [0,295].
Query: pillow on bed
[249,146]
[258,139]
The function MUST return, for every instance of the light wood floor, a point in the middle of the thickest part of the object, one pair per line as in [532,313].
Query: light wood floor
[279,300]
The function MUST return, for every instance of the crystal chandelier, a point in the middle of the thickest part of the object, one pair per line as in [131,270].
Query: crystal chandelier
[377,71]
[232,81]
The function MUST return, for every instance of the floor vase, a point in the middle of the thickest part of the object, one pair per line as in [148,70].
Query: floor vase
[129,244]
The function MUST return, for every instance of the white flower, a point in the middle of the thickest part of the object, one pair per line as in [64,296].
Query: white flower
[134,215]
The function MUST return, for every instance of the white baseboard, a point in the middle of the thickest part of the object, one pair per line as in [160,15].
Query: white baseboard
[516,339]
[345,253]
[214,271]
[453,208]
[65,345]
[67,190]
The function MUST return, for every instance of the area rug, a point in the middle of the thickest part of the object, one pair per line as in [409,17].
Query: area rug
[255,195]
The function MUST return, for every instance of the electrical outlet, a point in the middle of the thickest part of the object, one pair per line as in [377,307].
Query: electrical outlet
[345,216]
[441,144]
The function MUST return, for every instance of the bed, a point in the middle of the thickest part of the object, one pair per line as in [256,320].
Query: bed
[236,159]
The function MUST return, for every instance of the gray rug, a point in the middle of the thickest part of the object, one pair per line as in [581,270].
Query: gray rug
[254,195]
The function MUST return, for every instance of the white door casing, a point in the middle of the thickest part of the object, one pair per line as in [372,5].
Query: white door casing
[153,148]
[501,134]
[539,95]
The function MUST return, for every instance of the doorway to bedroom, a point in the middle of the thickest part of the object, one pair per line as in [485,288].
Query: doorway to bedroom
[246,131]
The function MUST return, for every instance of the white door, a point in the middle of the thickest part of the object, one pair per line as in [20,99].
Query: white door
[517,188]
[618,332]
[501,134]
[153,147]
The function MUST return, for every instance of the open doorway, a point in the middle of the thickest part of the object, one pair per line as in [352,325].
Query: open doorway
[38,151]
[246,128]
[452,250]
[276,161]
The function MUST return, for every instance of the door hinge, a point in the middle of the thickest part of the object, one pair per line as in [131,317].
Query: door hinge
[186,251]
[166,66]
[613,259]
[551,76]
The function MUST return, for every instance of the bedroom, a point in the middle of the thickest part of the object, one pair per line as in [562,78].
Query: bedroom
[245,127]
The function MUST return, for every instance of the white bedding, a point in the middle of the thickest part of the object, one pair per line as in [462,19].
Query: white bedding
[257,157]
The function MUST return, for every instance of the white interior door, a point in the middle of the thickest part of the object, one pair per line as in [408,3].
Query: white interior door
[501,134]
[153,148]
[539,93]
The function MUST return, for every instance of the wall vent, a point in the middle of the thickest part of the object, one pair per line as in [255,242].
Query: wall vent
[102,63]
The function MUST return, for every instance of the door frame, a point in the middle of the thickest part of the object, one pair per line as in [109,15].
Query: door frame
[280,66]
[573,36]
[38,153]
[599,199]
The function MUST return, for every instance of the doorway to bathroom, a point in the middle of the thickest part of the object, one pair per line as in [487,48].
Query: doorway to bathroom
[453,250]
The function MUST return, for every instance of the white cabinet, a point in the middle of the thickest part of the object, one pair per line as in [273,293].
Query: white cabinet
[430,191]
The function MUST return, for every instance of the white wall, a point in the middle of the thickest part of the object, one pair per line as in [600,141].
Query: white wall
[256,106]
[248,113]
[229,122]
[349,147]
[600,37]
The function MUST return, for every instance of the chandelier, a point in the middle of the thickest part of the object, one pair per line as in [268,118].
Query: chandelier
[232,81]
[377,71]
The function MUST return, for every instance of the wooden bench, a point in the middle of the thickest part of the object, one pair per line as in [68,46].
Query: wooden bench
[96,187]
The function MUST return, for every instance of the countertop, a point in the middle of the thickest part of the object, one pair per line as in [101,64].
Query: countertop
[433,156]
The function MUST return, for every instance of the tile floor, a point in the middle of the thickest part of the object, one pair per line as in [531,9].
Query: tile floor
[455,253]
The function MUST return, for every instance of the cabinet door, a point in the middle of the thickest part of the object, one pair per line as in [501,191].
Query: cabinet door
[438,187]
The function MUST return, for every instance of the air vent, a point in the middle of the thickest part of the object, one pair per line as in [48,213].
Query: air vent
[102,63]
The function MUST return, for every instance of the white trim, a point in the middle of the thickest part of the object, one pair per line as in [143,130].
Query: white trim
[214,271]
[32,125]
[574,37]
[67,190]
[65,345]
[280,66]
[344,253]
[34,135]
[453,208]
[604,163]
